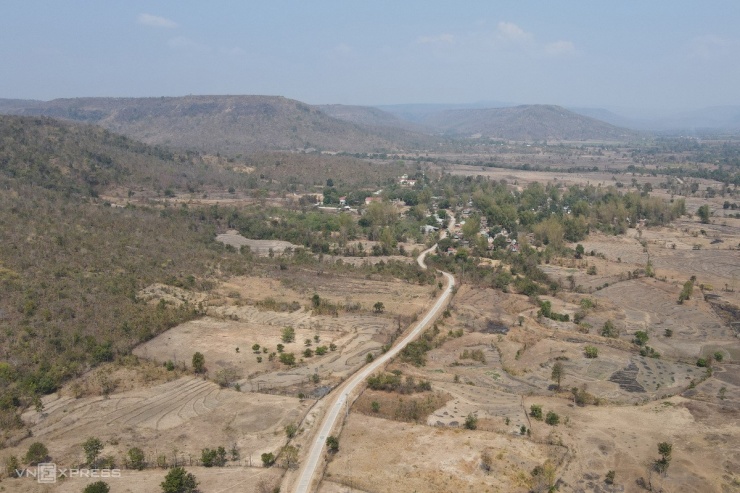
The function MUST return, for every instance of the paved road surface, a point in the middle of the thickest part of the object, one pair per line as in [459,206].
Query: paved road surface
[311,464]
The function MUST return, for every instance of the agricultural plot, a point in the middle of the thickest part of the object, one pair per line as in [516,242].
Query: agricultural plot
[212,480]
[706,455]
[379,455]
[649,305]
[248,311]
[176,419]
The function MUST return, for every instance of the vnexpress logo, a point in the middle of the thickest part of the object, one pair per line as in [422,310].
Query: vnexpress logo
[48,473]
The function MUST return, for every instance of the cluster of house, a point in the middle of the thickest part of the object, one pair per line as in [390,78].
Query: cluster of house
[404,181]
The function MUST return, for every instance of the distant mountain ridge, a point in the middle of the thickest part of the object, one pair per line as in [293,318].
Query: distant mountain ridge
[526,123]
[227,124]
[245,124]
[711,119]
[370,116]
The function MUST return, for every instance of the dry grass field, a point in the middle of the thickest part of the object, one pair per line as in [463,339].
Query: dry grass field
[211,480]
[241,314]
[182,415]
[377,455]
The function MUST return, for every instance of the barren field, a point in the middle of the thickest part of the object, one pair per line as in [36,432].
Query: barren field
[259,247]
[705,437]
[378,455]
[242,314]
[186,414]
[212,480]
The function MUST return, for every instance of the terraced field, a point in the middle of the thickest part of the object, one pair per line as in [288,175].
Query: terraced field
[186,414]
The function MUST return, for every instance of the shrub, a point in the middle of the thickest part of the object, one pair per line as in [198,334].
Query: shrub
[291,430]
[702,363]
[97,487]
[535,410]
[136,459]
[552,418]
[37,452]
[287,359]
[471,422]
[213,457]
[288,334]
[268,459]
[610,477]
[609,330]
[92,447]
[179,481]
[332,444]
[591,351]
[199,363]
[641,338]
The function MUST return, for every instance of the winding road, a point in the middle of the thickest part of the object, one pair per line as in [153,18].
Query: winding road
[341,394]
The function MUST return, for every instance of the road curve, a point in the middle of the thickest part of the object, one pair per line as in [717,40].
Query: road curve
[305,479]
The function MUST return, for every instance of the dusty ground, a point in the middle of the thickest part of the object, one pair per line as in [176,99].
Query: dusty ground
[211,480]
[183,415]
[242,313]
[259,247]
[377,455]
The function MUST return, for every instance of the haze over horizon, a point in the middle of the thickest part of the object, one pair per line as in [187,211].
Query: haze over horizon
[630,55]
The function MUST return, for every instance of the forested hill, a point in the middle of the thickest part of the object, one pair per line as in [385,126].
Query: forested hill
[85,159]
[226,124]
[71,266]
[526,123]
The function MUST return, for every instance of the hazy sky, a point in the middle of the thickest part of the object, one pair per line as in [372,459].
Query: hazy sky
[610,53]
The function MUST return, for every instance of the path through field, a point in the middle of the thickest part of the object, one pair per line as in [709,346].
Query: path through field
[340,395]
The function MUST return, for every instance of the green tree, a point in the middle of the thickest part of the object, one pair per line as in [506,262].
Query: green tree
[287,359]
[136,458]
[552,418]
[268,459]
[379,307]
[36,453]
[704,212]
[12,464]
[213,457]
[288,334]
[558,372]
[178,480]
[665,450]
[290,456]
[471,421]
[199,362]
[535,410]
[291,430]
[579,251]
[332,443]
[686,292]
[97,487]
[641,338]
[609,330]
[92,448]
